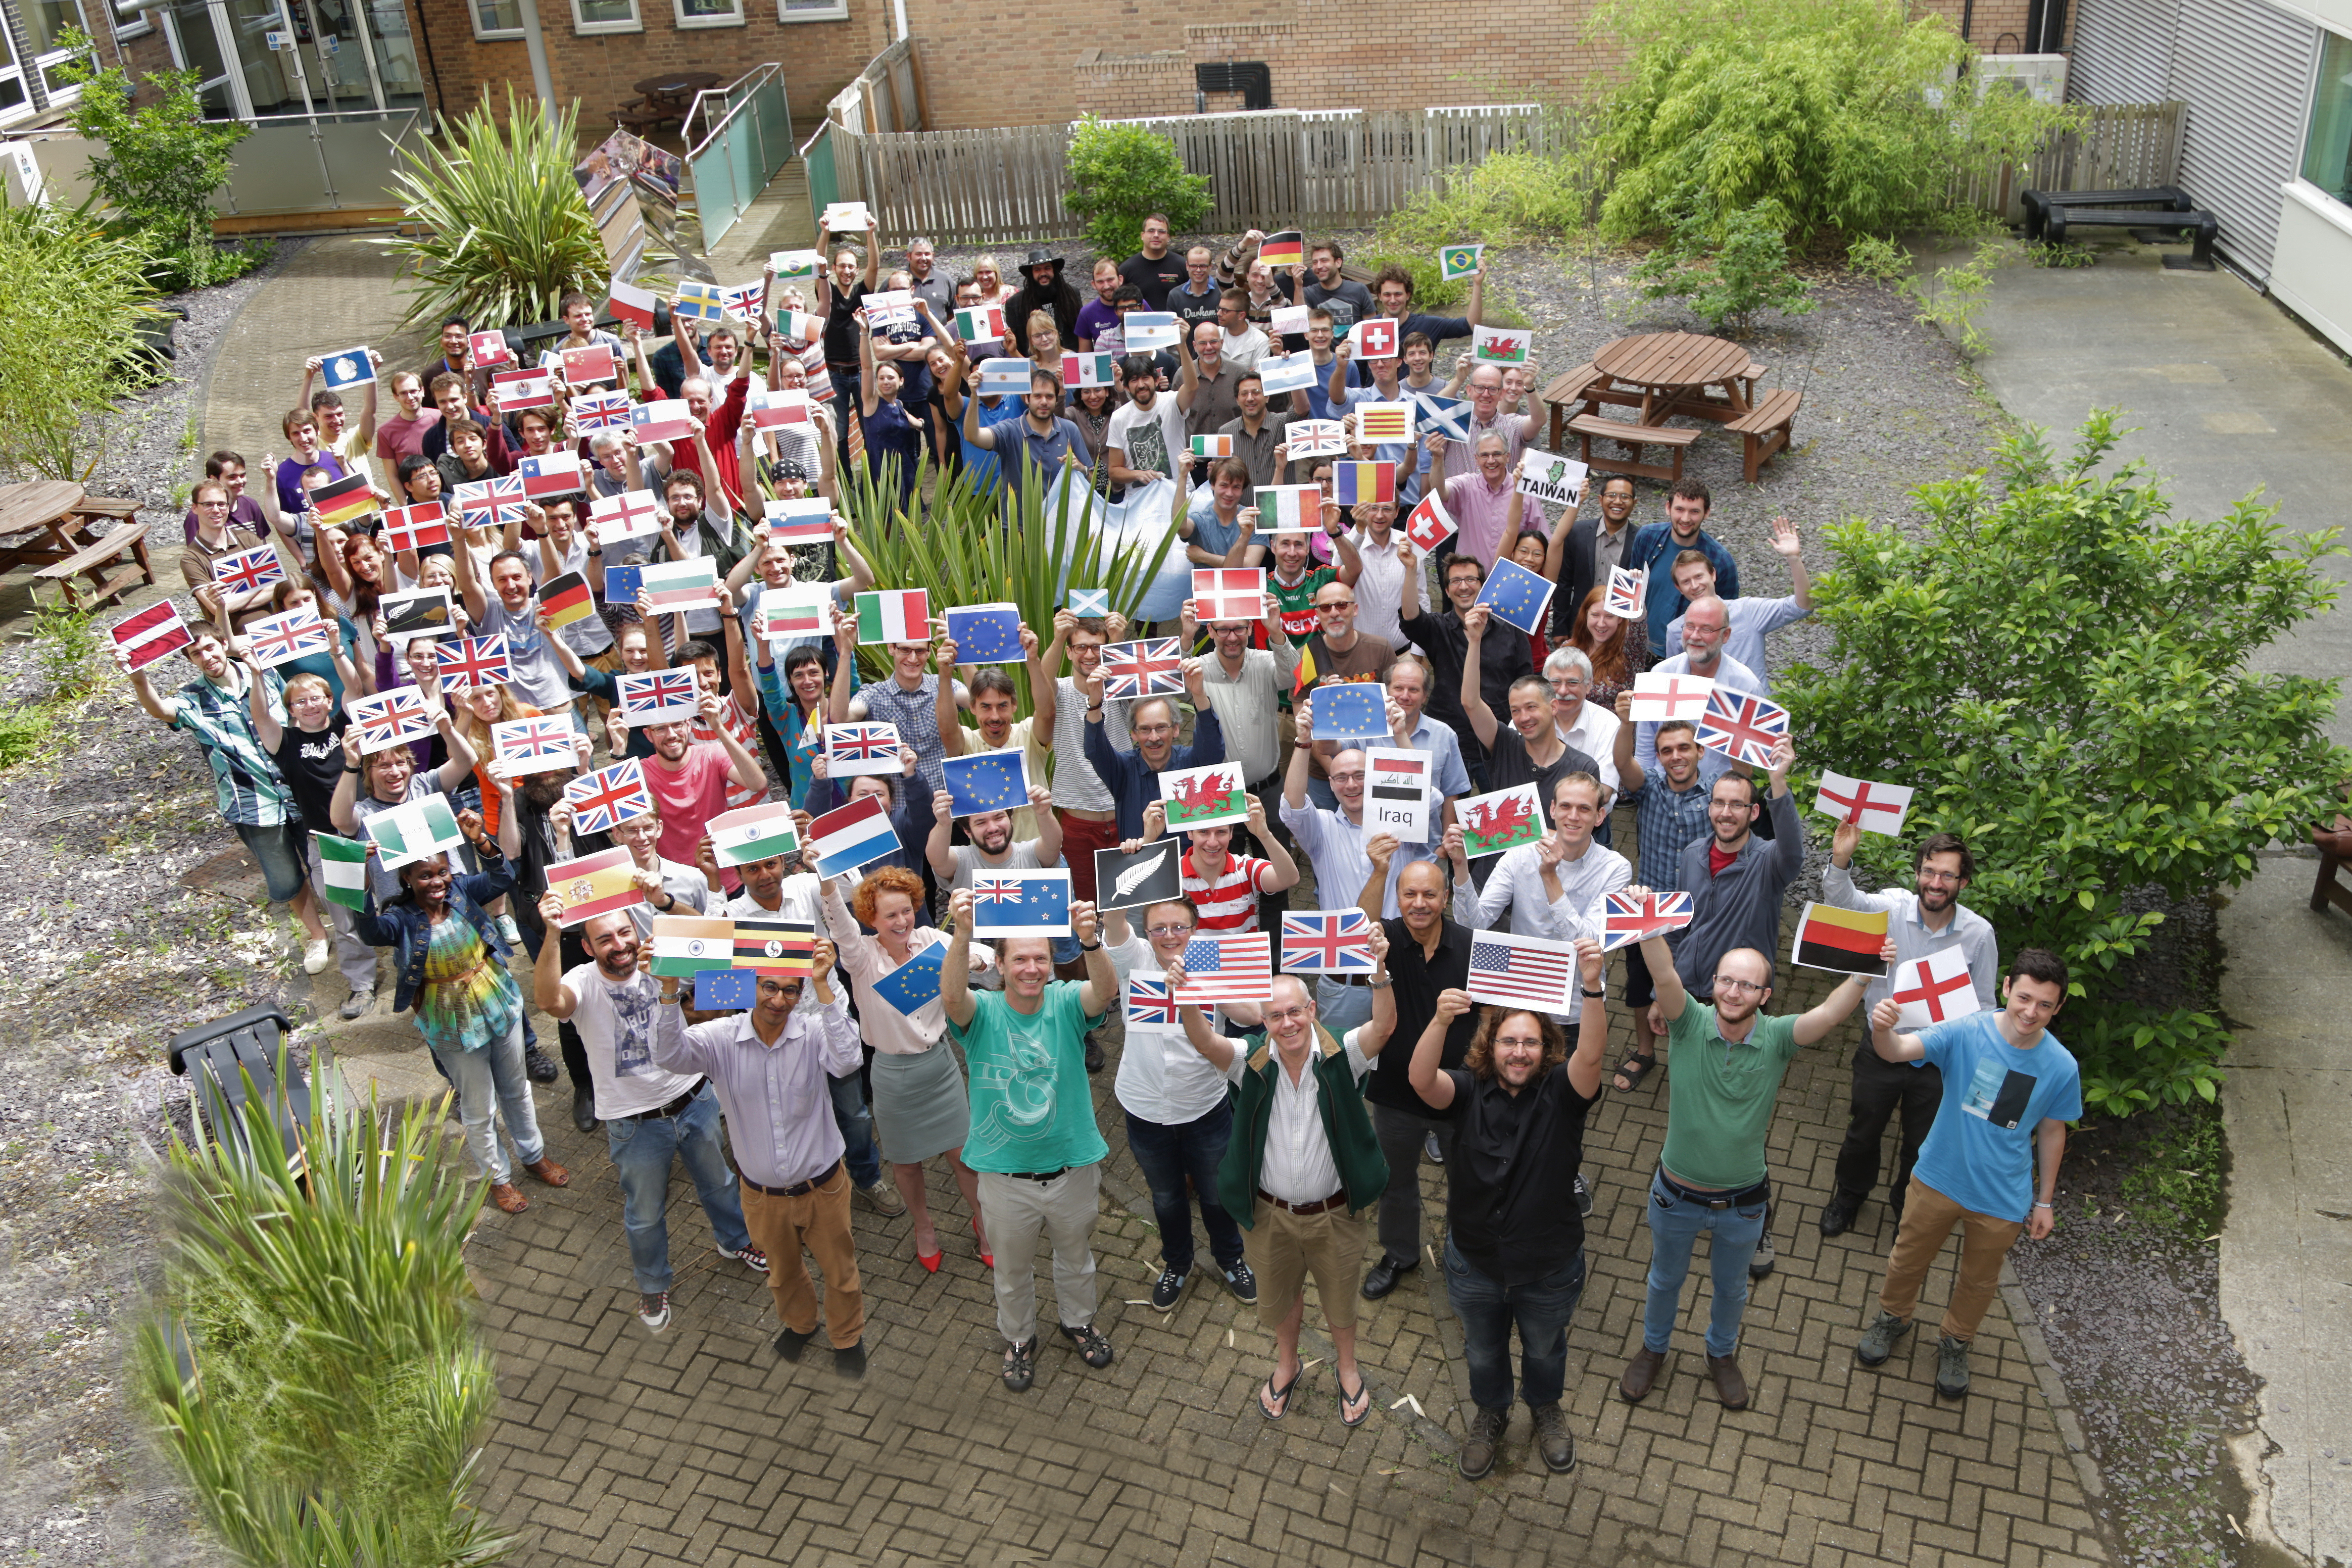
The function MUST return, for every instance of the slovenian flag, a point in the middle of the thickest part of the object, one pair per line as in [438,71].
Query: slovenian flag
[594,884]
[1844,940]
[805,521]
[754,832]
[853,836]
[1289,509]
[894,614]
[1360,484]
[343,863]
[685,945]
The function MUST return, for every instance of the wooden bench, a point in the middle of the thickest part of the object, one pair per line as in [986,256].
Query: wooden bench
[98,563]
[1764,429]
[2335,848]
[1570,386]
[1633,438]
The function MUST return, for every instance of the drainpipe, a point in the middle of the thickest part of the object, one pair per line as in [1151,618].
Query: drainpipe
[535,46]
[898,14]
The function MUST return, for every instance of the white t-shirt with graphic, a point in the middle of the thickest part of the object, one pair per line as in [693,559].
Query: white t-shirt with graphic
[616,1029]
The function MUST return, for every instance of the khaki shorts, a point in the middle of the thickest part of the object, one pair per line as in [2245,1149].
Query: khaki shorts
[1283,1248]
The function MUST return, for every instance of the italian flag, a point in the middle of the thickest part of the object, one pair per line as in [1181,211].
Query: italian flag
[342,865]
[1288,507]
[754,832]
[685,945]
[895,615]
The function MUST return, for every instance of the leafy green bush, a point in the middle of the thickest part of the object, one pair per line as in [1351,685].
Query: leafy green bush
[66,643]
[2060,670]
[1508,196]
[505,232]
[315,1370]
[1726,270]
[73,297]
[1949,296]
[1121,174]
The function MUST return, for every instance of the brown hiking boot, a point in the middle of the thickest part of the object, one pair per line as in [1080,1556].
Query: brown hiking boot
[1730,1384]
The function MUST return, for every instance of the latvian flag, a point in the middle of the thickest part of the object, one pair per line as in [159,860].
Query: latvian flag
[342,862]
[248,569]
[556,474]
[754,832]
[1844,940]
[807,521]
[415,527]
[774,945]
[894,614]
[1358,484]
[1289,509]
[594,884]
[685,945]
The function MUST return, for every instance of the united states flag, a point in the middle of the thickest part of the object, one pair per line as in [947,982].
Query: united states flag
[1521,971]
[1227,966]
[1742,727]
[1629,920]
[1327,941]
[1150,1002]
[604,799]
[1142,668]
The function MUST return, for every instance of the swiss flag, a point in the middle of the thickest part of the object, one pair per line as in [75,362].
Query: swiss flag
[1376,338]
[1428,525]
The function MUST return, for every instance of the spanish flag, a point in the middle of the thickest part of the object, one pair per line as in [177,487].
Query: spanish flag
[1845,941]
[594,884]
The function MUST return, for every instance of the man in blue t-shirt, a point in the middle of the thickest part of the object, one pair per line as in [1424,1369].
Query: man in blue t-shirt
[2009,1088]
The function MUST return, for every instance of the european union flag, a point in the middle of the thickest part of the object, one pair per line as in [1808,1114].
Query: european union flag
[1087,601]
[1518,595]
[986,633]
[915,981]
[724,990]
[1348,710]
[620,583]
[993,781]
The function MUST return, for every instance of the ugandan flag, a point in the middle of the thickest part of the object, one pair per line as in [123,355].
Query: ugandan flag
[344,499]
[774,946]
[1844,940]
[566,599]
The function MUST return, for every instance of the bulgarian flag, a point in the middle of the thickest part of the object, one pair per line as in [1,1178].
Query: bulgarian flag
[593,885]
[894,614]
[343,863]
[795,610]
[1289,509]
[1844,940]
[566,599]
[754,832]
[684,585]
[685,945]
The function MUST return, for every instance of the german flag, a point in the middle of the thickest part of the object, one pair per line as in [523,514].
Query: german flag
[1845,941]
[1288,248]
[350,497]
[774,946]
[566,599]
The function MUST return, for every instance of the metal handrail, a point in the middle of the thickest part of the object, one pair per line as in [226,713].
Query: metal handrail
[756,78]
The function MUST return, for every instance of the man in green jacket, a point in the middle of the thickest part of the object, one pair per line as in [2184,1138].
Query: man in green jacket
[1303,1165]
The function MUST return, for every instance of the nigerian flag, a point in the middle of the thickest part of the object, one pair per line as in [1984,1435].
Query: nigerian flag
[343,866]
[423,826]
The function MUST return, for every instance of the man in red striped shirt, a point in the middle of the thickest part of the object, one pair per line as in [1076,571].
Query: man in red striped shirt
[1224,885]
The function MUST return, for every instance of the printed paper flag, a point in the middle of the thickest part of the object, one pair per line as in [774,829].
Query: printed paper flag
[783,410]
[1288,248]
[415,526]
[1350,710]
[1628,593]
[846,217]
[593,411]
[632,514]
[1151,1004]
[793,613]
[352,367]
[725,990]
[1743,727]
[491,503]
[1287,320]
[685,945]
[1286,372]
[1149,666]
[656,697]
[808,520]
[1627,919]
[282,639]
[980,324]
[800,327]
[566,599]
[792,266]
[1150,332]
[753,833]
[1509,970]
[1932,989]
[1315,438]
[1518,595]
[342,865]
[1458,261]
[1212,445]
[630,303]
[542,745]
[590,365]
[1152,875]
[914,984]
[1875,807]
[664,419]
[1844,940]
[472,664]
[341,501]
[418,613]
[1228,593]
[1429,524]
[1377,423]
[487,349]
[517,390]
[423,827]
[698,301]
[1090,370]
[1397,794]
[744,298]
[1363,484]
[1551,479]
[1087,601]
[851,750]
[1657,697]
[774,945]
[1499,345]
[1020,903]
[986,781]
[1003,377]
[1446,417]
[155,632]
[894,614]
[621,584]
[855,836]
[1227,966]
[247,570]
[1204,797]
[389,719]
[1289,509]
[1327,941]
[986,633]
[1375,337]
[593,885]
[688,585]
[607,798]
[1494,822]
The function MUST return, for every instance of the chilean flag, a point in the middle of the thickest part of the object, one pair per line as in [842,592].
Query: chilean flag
[557,473]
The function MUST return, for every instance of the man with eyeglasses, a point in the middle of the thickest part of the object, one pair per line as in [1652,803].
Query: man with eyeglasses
[1729,1060]
[1671,803]
[1458,460]
[1336,654]
[1922,924]
[1499,651]
[1587,727]
[1245,344]
[1751,617]
[1706,628]
[1483,500]
[1133,777]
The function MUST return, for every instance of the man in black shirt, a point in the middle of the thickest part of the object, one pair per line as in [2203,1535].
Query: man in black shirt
[1527,750]
[1504,653]
[1156,269]
[838,296]
[1515,1238]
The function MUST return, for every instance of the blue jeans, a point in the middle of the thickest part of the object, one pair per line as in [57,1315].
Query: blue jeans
[1167,1155]
[1488,1308]
[281,848]
[642,1153]
[856,1124]
[1674,1226]
[494,1076]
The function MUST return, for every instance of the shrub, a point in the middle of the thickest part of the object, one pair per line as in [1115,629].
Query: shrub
[1508,196]
[506,233]
[73,296]
[1121,174]
[1730,278]
[2062,671]
[1947,297]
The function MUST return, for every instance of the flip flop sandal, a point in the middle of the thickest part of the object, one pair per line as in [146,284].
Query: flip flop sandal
[1364,1393]
[1636,1070]
[1278,1396]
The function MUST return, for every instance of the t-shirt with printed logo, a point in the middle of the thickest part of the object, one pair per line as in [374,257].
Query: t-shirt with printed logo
[1979,1152]
[616,1025]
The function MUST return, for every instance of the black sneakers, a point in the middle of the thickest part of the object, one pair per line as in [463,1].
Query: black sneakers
[1169,1290]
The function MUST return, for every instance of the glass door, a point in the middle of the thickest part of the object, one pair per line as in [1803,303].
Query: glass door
[198,46]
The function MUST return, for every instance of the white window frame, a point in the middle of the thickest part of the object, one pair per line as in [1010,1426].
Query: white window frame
[732,19]
[492,35]
[833,11]
[581,28]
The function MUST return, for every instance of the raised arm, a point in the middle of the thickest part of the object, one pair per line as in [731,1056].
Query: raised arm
[1890,1046]
[1427,1079]
[1790,548]
[1668,985]
[936,850]
[1219,1050]
[1474,695]
[1584,1068]
[1818,1020]
[1100,991]
[955,967]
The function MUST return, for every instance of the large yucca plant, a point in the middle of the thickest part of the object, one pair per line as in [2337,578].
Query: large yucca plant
[505,231]
[315,1369]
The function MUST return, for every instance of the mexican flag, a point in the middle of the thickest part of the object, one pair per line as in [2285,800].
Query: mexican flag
[685,945]
[895,615]
[343,864]
[414,831]
[754,832]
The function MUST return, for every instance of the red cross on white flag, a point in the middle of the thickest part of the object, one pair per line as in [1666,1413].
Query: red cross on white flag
[1663,697]
[1875,807]
[1931,989]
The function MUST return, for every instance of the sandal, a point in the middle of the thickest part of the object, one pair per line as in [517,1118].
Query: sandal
[1270,1395]
[1635,1069]
[1363,1393]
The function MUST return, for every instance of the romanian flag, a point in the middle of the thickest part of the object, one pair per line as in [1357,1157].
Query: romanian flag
[1357,484]
[685,945]
[593,885]
[1288,248]
[566,599]
[1845,941]
[774,946]
[348,497]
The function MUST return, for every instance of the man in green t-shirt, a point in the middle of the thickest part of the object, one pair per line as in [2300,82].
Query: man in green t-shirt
[1723,1078]
[1033,1138]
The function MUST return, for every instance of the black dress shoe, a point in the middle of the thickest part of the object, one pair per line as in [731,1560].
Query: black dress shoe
[1837,1215]
[583,1109]
[792,1342]
[850,1362]
[537,1067]
[1383,1277]
[1094,1055]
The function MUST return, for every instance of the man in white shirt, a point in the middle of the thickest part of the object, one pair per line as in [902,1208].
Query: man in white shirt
[1381,575]
[1555,887]
[1706,626]
[1587,727]
[1245,343]
[993,845]
[652,1117]
[1146,440]
[1751,618]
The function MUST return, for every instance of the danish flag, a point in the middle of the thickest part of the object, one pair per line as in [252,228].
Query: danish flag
[608,797]
[248,569]
[1142,669]
[1742,727]
[1221,594]
[1658,697]
[1628,920]
[472,664]
[415,527]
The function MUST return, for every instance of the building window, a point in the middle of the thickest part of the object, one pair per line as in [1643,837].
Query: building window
[812,10]
[606,17]
[2328,152]
[44,22]
[709,12]
[497,19]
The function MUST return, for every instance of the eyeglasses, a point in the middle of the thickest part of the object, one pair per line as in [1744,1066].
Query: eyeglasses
[1942,879]
[1335,606]
[777,988]
[1729,983]
[1169,931]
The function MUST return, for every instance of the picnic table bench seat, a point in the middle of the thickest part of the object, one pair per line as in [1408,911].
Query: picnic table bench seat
[218,1058]
[101,562]
[1570,386]
[1764,429]
[1633,439]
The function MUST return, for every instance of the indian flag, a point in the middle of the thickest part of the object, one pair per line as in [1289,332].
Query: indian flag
[343,863]
[754,832]
[1289,509]
[1845,941]
[894,614]
[594,884]
[414,831]
[679,584]
[685,945]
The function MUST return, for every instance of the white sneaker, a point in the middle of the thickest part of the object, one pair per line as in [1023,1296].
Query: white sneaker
[316,955]
[508,929]
[653,1310]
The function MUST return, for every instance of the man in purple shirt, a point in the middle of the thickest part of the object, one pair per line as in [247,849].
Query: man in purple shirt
[772,1068]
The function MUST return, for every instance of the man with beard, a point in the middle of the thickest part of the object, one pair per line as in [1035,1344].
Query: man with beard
[1580,555]
[1500,652]
[1044,288]
[1922,924]
[1671,803]
[652,1117]
[993,845]
[689,778]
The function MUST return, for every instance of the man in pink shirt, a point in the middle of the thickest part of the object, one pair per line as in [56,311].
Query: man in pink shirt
[689,778]
[403,435]
[1480,501]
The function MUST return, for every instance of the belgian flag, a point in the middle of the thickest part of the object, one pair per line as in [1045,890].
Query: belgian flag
[1845,941]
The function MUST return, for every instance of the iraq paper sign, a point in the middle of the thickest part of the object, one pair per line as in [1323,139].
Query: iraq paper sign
[1550,479]
[1397,794]
[1204,797]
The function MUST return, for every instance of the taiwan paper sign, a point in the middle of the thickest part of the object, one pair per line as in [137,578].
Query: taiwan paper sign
[1551,479]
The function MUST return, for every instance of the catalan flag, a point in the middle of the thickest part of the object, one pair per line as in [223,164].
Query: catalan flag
[1845,941]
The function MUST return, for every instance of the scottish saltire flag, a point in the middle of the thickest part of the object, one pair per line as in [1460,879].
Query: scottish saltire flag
[282,639]
[153,633]
[664,419]
[1147,668]
[1085,602]
[554,474]
[1626,920]
[1458,261]
[1521,971]
[853,836]
[656,697]
[808,520]
[533,745]
[348,368]
[986,633]
[471,664]
[988,780]
[1743,727]
[247,570]
[1446,417]
[423,827]
[1327,941]
[389,719]
[1289,509]
[699,301]
[1429,524]
[1020,903]
[1628,593]
[415,527]
[1350,710]
[851,750]
[1150,1002]
[604,799]
[1315,438]
[1362,484]
[517,390]
[628,302]
[894,614]
[632,514]
[601,411]
[1227,966]
[343,864]
[1518,595]
[915,983]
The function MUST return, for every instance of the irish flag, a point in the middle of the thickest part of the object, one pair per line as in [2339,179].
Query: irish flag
[685,945]
[593,885]
[1845,941]
[344,865]
[754,832]
[1289,509]
[894,614]
[414,831]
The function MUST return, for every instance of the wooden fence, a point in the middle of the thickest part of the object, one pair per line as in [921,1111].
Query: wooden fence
[2118,146]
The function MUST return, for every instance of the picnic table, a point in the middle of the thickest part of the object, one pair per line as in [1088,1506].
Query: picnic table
[1671,372]
[665,98]
[52,524]
[1659,376]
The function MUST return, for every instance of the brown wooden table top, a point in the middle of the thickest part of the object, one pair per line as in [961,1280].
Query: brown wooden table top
[37,503]
[1670,359]
[677,84]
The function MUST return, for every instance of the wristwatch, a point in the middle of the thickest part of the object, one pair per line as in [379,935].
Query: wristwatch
[1602,993]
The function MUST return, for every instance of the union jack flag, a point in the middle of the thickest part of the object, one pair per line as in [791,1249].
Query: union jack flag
[604,799]
[1327,941]
[280,639]
[865,743]
[1628,920]
[388,718]
[491,503]
[1742,727]
[654,692]
[248,569]
[1143,668]
[743,298]
[471,664]
[601,411]
[1150,1002]
[1227,966]
[533,739]
[996,890]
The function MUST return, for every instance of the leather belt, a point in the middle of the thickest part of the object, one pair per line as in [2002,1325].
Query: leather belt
[1034,1175]
[1762,1192]
[676,1107]
[1334,1201]
[798,1189]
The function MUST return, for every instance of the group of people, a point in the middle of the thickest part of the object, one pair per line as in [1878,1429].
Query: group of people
[1281,1124]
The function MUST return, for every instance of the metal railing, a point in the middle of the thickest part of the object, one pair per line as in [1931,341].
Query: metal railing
[747,137]
[290,164]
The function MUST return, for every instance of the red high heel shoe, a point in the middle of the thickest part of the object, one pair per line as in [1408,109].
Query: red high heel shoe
[987,1259]
[930,1261]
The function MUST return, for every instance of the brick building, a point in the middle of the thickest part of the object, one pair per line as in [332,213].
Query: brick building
[30,32]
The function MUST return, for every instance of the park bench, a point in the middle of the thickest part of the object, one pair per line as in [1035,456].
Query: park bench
[1570,386]
[1764,428]
[218,1058]
[1633,439]
[2199,260]
[2335,848]
[2039,204]
[101,560]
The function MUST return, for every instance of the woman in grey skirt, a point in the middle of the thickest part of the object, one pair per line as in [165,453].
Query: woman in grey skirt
[919,1109]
